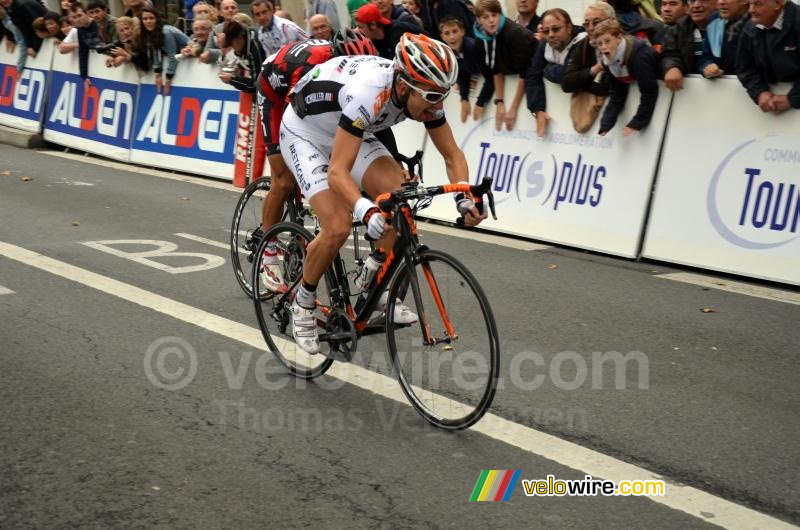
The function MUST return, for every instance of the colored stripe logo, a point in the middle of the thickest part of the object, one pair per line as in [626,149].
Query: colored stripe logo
[494,485]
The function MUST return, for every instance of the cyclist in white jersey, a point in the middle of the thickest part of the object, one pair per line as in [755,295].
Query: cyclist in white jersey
[327,141]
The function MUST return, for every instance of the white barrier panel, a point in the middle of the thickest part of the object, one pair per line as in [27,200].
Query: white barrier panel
[98,120]
[194,128]
[410,136]
[22,97]
[582,190]
[728,192]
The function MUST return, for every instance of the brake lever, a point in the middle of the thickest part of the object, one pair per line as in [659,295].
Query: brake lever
[490,195]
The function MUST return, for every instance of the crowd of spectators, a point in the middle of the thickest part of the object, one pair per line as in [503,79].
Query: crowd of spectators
[616,44]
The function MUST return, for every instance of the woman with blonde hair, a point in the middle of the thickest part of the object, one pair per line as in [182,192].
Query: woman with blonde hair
[126,49]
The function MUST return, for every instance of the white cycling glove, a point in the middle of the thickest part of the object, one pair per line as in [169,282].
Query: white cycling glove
[465,203]
[371,216]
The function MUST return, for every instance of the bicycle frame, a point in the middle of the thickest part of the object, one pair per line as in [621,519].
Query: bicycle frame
[403,252]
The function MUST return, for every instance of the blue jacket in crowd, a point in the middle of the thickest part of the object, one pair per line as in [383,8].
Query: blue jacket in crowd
[471,62]
[722,40]
[174,41]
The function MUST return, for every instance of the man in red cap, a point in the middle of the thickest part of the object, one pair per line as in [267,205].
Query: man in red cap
[384,33]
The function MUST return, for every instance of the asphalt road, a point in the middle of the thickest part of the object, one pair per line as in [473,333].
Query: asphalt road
[710,403]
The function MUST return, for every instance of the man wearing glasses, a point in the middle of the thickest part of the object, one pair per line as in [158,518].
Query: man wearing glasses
[683,43]
[327,140]
[583,70]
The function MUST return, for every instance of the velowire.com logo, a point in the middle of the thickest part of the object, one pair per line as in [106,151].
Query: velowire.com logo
[494,485]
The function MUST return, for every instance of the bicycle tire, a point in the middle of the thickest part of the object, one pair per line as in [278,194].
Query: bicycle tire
[246,219]
[437,280]
[273,314]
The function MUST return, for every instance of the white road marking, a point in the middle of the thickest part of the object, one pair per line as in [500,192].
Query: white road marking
[200,239]
[697,503]
[162,249]
[5,290]
[724,284]
[474,235]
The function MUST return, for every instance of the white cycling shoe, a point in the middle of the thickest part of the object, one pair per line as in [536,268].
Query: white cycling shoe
[402,313]
[271,275]
[304,328]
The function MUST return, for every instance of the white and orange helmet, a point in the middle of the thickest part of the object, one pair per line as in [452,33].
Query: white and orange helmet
[426,62]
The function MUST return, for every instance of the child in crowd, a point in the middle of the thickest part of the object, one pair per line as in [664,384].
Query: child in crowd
[40,28]
[508,48]
[106,24]
[470,63]
[626,59]
[52,22]
[83,37]
[66,25]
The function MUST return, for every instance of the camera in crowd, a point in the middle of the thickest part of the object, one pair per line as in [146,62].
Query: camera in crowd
[105,49]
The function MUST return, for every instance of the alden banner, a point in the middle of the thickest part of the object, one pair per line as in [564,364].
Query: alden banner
[728,192]
[193,128]
[23,94]
[96,119]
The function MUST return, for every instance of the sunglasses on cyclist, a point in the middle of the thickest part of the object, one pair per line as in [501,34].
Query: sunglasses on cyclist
[431,96]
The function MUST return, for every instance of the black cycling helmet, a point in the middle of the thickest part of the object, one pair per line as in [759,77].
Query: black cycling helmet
[350,42]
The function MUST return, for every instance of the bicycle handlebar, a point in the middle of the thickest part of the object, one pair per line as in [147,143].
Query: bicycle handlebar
[412,162]
[387,201]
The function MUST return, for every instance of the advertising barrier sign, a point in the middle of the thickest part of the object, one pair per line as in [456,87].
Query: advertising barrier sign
[728,191]
[23,95]
[576,189]
[193,128]
[97,119]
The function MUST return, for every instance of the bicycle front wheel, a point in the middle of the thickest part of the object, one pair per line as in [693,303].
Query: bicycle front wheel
[447,363]
[274,315]
[246,233]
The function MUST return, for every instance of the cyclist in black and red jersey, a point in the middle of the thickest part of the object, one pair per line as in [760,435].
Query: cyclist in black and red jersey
[279,74]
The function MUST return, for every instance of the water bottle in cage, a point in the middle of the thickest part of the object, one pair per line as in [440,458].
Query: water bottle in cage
[368,270]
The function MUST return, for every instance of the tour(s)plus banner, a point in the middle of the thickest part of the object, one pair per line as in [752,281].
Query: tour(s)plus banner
[582,190]
[192,129]
[23,95]
[97,118]
[728,191]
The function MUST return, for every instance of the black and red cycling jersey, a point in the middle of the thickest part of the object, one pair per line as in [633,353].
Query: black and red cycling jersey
[279,74]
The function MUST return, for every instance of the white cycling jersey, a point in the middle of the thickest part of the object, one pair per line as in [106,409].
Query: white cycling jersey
[354,93]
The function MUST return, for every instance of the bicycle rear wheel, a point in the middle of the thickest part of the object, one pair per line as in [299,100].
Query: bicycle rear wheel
[246,233]
[273,314]
[451,380]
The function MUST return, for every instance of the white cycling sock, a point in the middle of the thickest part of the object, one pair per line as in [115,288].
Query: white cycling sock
[305,298]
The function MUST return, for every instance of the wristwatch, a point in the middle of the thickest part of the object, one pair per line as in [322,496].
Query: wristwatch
[498,100]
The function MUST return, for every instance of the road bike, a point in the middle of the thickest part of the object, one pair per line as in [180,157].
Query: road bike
[446,362]
[246,230]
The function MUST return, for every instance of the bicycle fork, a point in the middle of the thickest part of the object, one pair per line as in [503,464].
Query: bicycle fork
[427,337]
